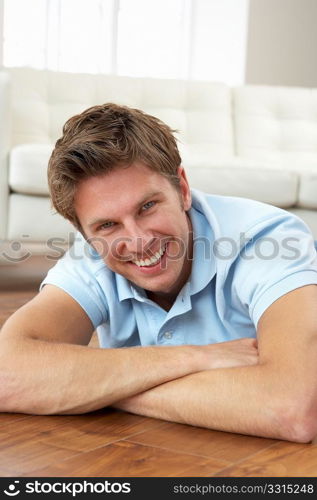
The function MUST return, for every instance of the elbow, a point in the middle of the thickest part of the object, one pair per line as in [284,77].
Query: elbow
[300,431]
[298,422]
[304,430]
[14,398]
[13,401]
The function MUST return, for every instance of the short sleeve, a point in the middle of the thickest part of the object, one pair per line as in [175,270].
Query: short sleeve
[77,278]
[277,259]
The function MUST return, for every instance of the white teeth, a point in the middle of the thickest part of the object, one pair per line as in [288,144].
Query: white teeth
[153,260]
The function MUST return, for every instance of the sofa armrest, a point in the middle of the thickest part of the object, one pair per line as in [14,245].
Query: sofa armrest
[5,134]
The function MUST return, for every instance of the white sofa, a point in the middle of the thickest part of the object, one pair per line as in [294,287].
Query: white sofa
[253,141]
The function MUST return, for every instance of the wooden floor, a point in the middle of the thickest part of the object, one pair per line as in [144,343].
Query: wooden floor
[110,443]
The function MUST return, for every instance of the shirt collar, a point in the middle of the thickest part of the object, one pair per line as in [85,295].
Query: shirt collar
[125,288]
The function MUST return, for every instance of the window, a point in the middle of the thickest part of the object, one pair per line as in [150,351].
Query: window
[196,39]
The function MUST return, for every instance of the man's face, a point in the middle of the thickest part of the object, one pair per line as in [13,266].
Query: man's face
[136,220]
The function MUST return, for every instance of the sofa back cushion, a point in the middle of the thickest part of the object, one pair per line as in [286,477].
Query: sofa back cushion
[277,125]
[43,100]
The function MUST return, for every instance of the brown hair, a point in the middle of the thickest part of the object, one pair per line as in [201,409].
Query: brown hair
[102,138]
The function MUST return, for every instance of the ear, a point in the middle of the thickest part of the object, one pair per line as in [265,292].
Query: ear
[184,188]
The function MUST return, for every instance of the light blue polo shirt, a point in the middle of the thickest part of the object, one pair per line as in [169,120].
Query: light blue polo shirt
[247,254]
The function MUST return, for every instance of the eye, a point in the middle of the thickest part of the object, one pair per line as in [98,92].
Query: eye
[148,205]
[106,225]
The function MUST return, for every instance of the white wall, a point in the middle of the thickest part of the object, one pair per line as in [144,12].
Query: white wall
[282,43]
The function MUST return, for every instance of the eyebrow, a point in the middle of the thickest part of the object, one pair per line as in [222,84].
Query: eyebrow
[138,204]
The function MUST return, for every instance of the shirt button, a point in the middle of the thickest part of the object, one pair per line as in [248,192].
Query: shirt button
[168,335]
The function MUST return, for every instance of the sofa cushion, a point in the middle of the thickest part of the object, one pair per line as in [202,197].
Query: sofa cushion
[31,218]
[28,168]
[307,195]
[276,187]
[28,164]
[231,176]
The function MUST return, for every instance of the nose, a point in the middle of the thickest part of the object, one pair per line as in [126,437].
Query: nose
[135,241]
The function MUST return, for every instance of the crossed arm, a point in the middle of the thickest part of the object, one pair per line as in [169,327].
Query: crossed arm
[270,391]
[275,398]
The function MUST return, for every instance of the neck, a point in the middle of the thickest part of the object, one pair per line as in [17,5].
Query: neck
[165,301]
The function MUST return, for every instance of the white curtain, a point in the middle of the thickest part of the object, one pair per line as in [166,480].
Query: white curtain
[190,39]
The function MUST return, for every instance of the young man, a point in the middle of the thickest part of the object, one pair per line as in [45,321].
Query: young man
[179,285]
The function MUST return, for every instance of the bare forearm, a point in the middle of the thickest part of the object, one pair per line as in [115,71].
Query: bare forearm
[46,378]
[233,399]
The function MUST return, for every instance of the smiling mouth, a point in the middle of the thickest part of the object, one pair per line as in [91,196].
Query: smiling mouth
[152,261]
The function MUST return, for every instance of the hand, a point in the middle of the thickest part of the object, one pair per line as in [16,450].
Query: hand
[240,352]
[233,353]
